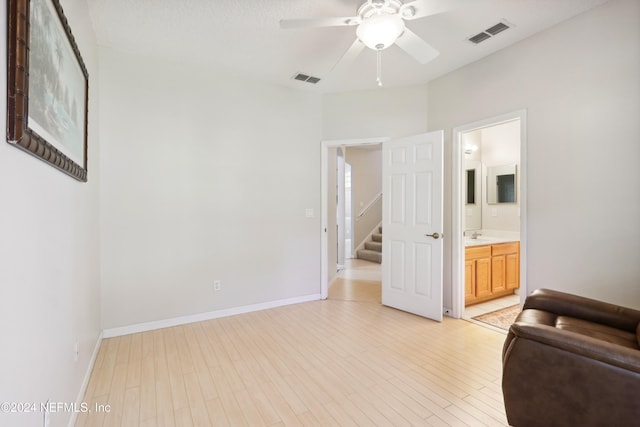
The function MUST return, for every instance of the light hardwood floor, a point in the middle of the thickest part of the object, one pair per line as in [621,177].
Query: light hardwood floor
[338,362]
[359,281]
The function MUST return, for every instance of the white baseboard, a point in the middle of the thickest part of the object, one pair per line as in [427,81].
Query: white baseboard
[85,381]
[183,320]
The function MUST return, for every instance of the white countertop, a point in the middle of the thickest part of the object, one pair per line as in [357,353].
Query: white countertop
[487,240]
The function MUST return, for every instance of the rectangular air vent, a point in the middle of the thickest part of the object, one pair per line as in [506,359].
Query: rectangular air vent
[306,78]
[489,32]
[498,28]
[479,38]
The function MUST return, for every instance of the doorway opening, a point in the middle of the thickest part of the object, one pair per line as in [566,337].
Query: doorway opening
[412,221]
[340,211]
[489,206]
[358,188]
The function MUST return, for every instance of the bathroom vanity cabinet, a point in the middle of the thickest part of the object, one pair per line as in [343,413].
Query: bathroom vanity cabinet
[491,271]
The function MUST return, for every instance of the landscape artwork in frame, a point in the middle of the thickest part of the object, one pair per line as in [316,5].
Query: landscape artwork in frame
[47,87]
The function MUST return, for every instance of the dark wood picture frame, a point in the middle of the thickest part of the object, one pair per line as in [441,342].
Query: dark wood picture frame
[59,80]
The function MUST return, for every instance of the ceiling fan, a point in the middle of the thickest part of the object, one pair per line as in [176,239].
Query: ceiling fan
[380,24]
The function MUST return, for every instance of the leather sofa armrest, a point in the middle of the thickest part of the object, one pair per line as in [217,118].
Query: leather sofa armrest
[563,304]
[612,354]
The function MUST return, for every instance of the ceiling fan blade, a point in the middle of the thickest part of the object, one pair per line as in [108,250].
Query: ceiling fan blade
[422,8]
[288,24]
[419,49]
[350,55]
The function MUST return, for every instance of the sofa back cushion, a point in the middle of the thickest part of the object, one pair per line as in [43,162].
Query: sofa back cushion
[599,331]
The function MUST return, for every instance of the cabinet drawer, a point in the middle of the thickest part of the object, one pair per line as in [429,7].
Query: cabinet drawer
[477,252]
[505,248]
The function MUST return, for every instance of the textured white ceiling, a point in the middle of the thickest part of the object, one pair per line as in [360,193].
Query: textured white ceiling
[244,37]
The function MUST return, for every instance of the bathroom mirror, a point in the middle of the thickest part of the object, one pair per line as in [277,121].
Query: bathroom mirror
[501,184]
[472,197]
[471,187]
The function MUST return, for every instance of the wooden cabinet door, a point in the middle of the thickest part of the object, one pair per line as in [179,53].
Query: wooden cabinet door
[469,281]
[512,271]
[483,277]
[491,271]
[498,282]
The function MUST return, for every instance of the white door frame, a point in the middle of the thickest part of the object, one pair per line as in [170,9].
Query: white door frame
[324,183]
[457,156]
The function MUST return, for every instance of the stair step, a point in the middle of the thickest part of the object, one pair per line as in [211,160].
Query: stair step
[374,246]
[370,255]
[376,237]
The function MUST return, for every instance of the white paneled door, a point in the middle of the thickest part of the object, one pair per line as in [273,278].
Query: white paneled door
[412,224]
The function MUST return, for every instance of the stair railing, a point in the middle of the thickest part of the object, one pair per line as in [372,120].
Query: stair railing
[369,206]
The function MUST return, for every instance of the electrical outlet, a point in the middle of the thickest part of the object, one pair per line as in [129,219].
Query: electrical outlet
[216,285]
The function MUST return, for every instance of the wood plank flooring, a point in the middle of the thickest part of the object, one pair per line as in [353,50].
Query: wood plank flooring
[338,362]
[355,290]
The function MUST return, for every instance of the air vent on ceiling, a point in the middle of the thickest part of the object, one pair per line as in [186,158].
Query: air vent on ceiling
[479,38]
[489,32]
[498,28]
[306,78]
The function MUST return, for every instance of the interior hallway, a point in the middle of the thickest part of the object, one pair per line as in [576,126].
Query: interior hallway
[361,281]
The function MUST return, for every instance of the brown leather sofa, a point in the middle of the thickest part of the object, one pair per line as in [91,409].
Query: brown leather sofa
[572,361]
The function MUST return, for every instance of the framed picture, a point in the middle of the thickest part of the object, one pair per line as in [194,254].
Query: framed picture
[47,87]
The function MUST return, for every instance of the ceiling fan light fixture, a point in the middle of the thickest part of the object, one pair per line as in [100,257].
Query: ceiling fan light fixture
[380,31]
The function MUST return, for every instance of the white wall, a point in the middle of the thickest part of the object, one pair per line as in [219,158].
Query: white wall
[581,90]
[500,144]
[392,112]
[205,176]
[49,259]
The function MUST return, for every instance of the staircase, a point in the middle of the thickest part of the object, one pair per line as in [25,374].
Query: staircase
[373,248]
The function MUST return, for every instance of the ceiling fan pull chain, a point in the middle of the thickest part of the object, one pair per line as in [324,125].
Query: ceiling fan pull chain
[379,67]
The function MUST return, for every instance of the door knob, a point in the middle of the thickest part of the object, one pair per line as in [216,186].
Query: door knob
[434,235]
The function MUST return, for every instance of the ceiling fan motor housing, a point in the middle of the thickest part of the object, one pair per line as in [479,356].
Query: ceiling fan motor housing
[379,7]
